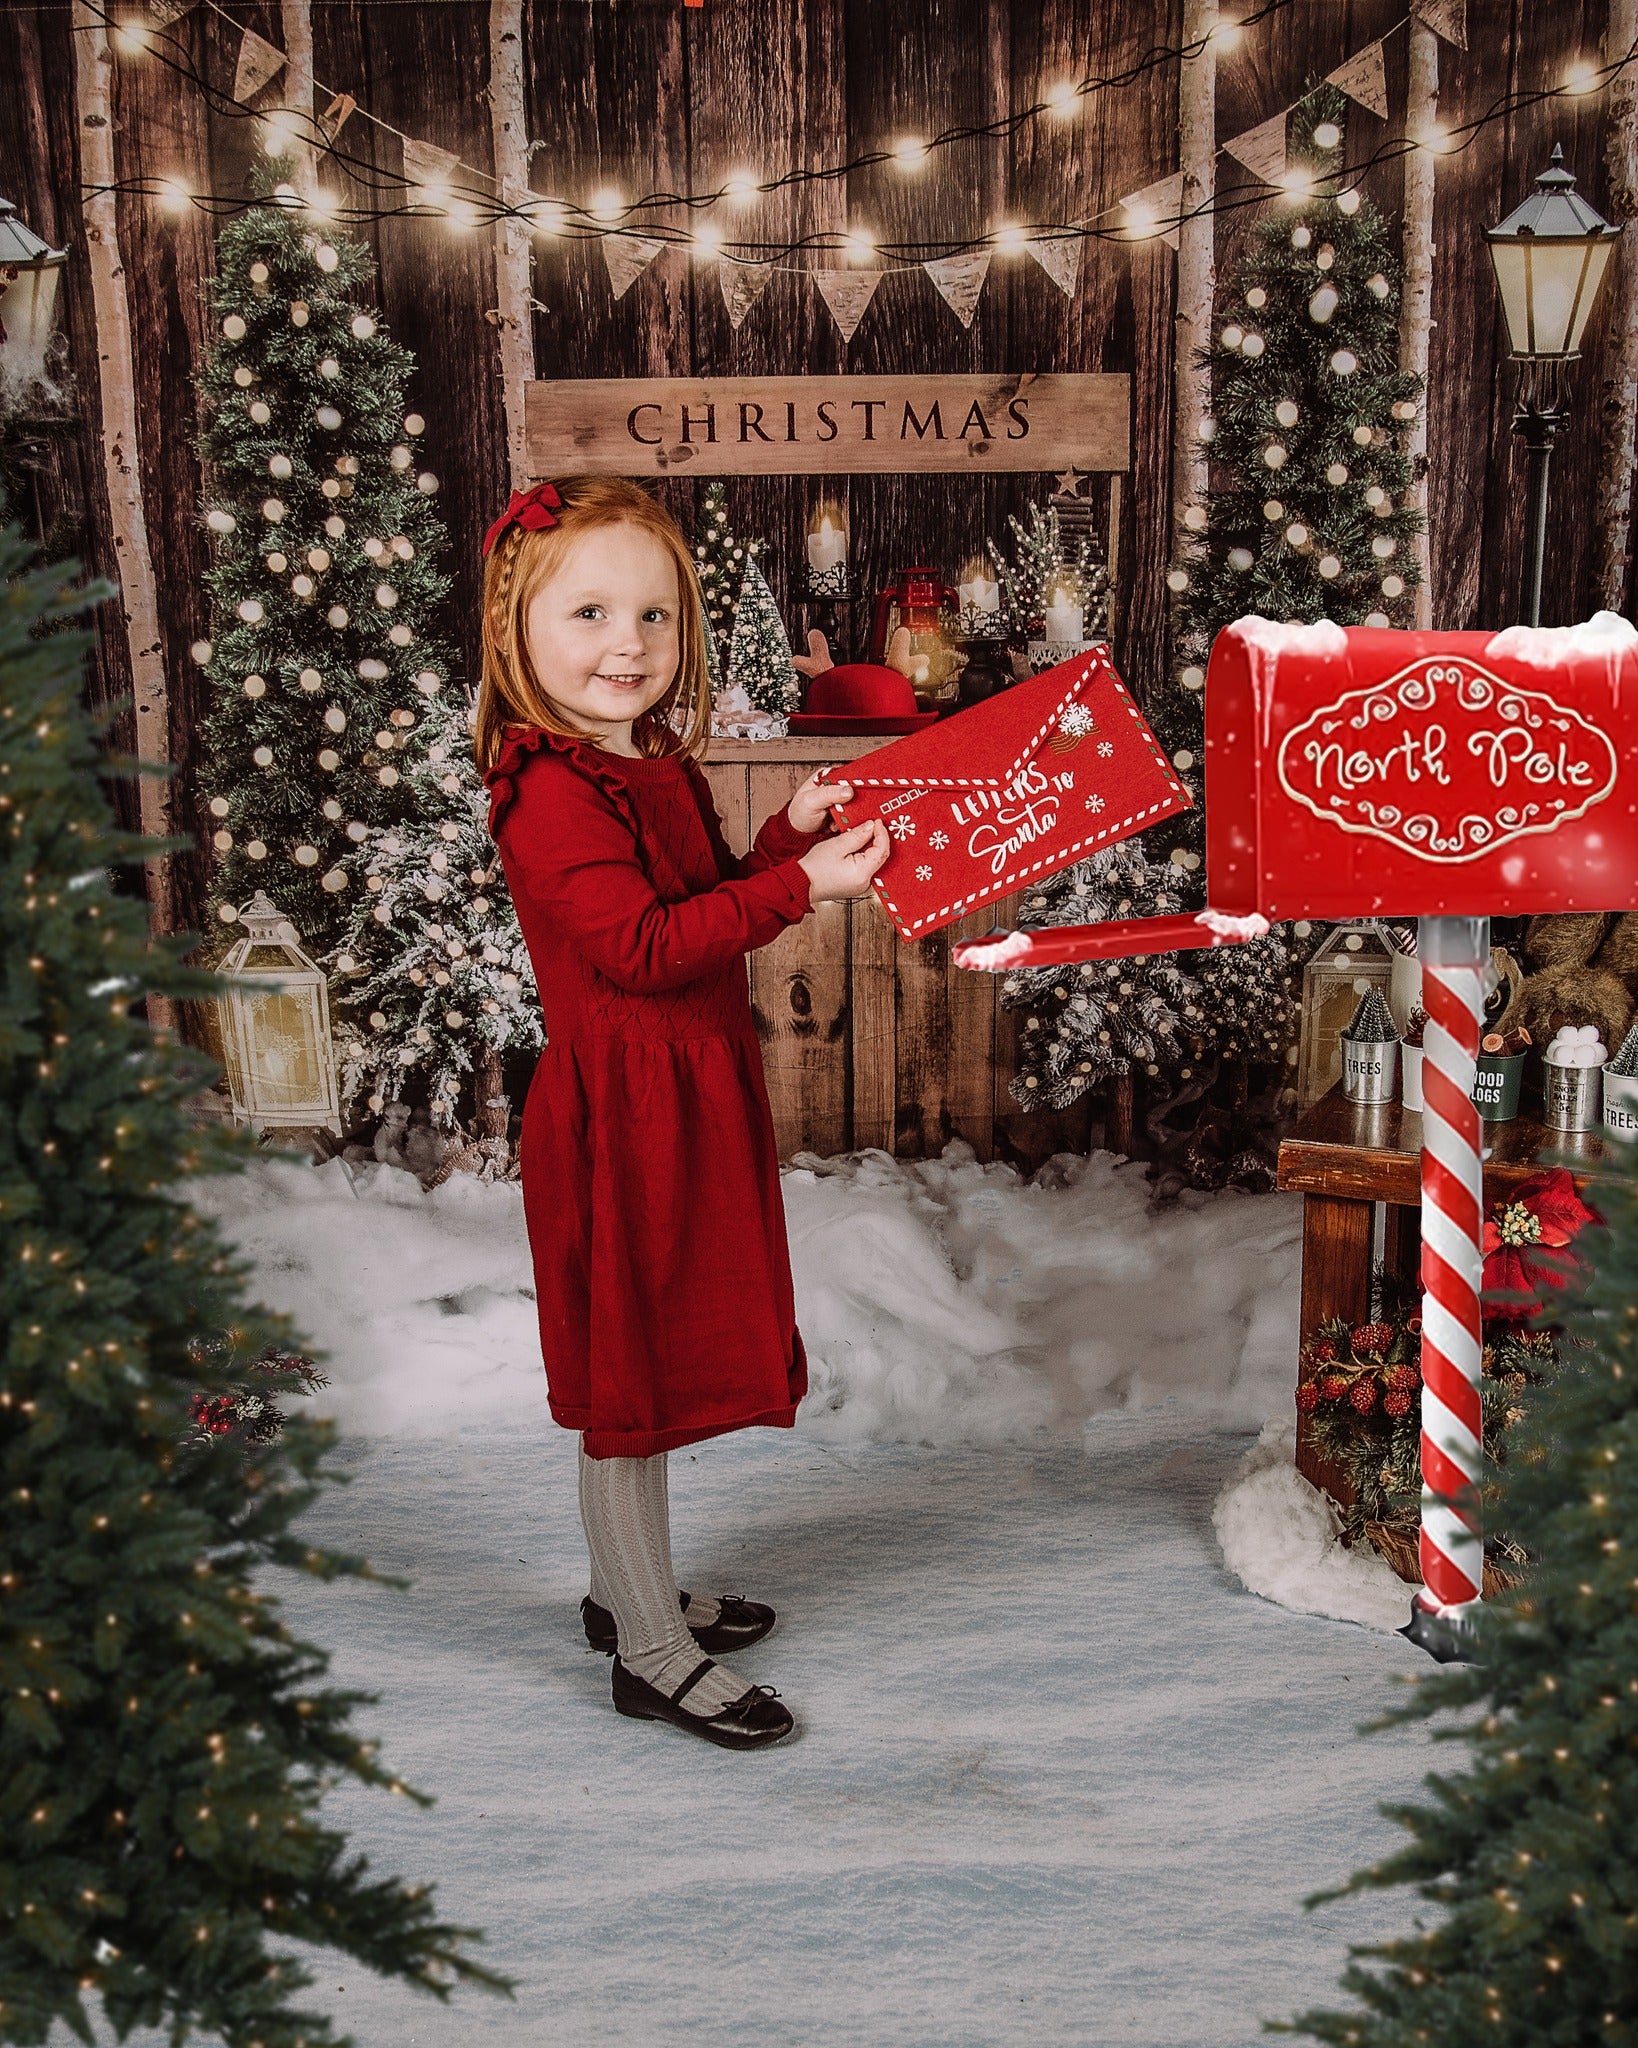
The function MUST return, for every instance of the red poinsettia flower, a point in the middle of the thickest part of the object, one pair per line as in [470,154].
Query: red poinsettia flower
[1525,1240]
[532,509]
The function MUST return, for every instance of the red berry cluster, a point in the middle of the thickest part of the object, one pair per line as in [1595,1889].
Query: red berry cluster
[1372,1340]
[215,1416]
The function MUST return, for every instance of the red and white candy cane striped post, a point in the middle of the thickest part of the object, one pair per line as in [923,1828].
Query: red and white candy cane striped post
[1454,952]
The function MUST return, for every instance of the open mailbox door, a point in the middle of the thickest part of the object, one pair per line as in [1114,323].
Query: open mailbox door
[1358,771]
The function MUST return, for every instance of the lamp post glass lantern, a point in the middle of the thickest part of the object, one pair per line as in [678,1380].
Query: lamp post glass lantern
[29,274]
[275,1020]
[1549,255]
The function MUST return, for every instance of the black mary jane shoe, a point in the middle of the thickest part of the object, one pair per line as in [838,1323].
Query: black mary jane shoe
[753,1721]
[737,1626]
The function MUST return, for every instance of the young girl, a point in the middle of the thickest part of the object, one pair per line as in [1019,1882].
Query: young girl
[650,1177]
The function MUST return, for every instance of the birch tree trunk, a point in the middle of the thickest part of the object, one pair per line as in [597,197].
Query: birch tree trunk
[1196,250]
[296,24]
[513,257]
[1619,399]
[116,379]
[1416,304]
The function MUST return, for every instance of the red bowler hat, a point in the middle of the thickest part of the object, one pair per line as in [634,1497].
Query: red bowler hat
[860,696]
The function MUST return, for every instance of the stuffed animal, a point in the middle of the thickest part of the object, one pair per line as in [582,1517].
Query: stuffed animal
[1583,969]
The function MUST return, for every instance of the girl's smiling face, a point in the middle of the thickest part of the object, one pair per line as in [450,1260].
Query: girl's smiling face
[604,634]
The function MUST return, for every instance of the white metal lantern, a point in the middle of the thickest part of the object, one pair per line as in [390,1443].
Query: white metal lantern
[275,1022]
[1550,256]
[29,271]
[1351,959]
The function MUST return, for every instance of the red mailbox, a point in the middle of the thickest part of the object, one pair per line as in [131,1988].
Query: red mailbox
[1352,771]
[1444,776]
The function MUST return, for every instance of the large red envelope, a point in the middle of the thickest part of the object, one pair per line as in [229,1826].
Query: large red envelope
[983,803]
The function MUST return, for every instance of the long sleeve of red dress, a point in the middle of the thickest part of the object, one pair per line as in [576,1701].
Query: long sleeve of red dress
[649,1166]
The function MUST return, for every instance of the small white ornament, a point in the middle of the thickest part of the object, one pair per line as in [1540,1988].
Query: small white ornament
[310,679]
[219,521]
[255,686]
[272,510]
[336,616]
[298,312]
[329,760]
[385,596]
[328,417]
[363,326]
[306,856]
[336,719]
[329,367]
[250,611]
[201,650]
[372,670]
[426,483]
[234,327]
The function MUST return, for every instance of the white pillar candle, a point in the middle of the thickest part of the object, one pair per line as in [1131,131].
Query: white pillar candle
[1064,622]
[980,595]
[827,549]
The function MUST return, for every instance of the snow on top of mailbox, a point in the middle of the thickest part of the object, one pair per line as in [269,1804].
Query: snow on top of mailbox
[1268,639]
[1290,636]
[1605,634]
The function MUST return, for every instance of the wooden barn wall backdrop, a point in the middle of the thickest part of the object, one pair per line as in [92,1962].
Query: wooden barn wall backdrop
[647,95]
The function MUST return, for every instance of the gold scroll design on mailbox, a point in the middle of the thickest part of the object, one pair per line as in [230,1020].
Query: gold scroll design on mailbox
[1375,761]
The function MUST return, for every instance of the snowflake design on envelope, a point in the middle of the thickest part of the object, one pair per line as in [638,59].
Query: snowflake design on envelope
[980,804]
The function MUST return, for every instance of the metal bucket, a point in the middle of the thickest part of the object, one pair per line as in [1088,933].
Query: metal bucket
[1496,1086]
[1621,1105]
[1370,1067]
[1574,1096]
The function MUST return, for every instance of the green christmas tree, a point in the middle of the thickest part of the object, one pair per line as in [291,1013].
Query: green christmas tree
[1306,515]
[321,658]
[759,651]
[166,1741]
[1529,1855]
[432,962]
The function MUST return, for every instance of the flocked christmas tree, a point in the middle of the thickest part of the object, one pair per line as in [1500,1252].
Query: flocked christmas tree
[1529,1856]
[433,967]
[1048,566]
[1090,1022]
[759,649]
[166,1742]
[321,658]
[1306,515]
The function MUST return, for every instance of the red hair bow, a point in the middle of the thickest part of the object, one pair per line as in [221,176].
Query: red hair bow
[532,509]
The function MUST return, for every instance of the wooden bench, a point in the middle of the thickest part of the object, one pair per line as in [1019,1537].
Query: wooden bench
[1358,1169]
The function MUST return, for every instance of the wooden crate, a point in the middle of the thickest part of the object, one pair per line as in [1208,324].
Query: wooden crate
[867,1040]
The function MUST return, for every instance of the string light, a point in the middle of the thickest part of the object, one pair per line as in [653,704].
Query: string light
[910,154]
[707,241]
[606,204]
[741,188]
[1581,77]
[859,246]
[1010,238]
[174,195]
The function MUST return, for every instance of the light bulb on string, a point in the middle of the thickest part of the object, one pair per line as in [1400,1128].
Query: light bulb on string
[740,188]
[1581,77]
[859,245]
[1009,238]
[707,241]
[1327,135]
[174,196]
[605,204]
[909,153]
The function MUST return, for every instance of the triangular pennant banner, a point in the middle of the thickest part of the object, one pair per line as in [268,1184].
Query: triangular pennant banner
[627,257]
[742,285]
[259,60]
[1060,257]
[337,114]
[960,279]
[426,164]
[1447,18]
[847,293]
[1363,79]
[1262,149]
[1152,214]
[165,12]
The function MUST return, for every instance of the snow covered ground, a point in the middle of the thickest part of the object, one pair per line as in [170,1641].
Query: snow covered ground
[1061,1779]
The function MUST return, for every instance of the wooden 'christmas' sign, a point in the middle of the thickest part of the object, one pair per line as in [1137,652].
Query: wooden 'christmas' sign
[827,426]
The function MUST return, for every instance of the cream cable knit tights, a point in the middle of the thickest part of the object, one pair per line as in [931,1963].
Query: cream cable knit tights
[626,1510]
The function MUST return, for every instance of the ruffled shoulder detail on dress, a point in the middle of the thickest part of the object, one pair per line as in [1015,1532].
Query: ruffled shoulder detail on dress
[523,740]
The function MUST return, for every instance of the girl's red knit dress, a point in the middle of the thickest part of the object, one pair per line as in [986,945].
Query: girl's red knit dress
[650,1174]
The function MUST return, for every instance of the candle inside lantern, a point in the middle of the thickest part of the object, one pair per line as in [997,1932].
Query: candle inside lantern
[827,544]
[1064,619]
[978,591]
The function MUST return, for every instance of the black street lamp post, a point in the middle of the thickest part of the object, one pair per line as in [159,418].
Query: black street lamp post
[1550,256]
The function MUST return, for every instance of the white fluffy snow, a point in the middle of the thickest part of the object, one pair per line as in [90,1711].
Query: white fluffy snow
[1279,1538]
[941,1301]
[1605,634]
[1059,1778]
